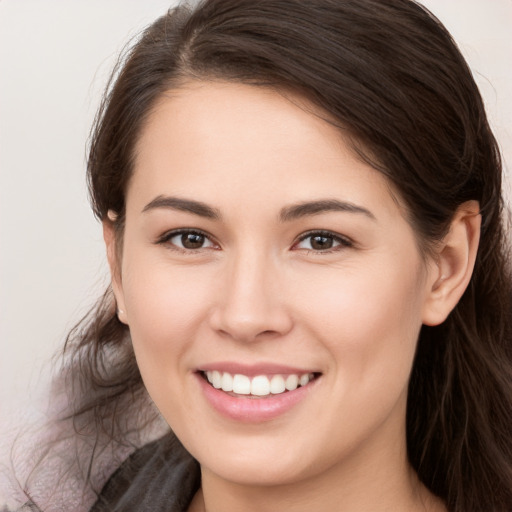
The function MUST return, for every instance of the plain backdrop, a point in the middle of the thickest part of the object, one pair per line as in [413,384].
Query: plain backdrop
[55,58]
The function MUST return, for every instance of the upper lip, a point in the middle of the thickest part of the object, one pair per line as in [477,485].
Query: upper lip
[252,370]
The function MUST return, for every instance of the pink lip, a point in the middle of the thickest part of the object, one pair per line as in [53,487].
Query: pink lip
[248,409]
[254,369]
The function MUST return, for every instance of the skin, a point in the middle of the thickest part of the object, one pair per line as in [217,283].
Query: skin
[258,292]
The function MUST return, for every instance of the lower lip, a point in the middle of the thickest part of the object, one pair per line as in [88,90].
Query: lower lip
[248,409]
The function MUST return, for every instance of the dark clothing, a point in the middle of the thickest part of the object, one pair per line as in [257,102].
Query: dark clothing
[159,477]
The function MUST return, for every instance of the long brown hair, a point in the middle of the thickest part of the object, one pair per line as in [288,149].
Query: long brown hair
[391,77]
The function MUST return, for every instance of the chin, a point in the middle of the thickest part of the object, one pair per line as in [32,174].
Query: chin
[250,472]
[256,460]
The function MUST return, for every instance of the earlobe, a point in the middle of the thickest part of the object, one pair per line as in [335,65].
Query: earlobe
[454,264]
[109,236]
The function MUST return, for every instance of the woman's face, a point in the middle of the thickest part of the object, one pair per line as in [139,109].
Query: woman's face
[260,253]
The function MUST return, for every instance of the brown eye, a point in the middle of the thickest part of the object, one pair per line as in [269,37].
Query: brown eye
[188,240]
[321,241]
[192,240]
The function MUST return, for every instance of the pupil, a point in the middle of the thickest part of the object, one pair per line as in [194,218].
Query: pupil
[192,240]
[321,242]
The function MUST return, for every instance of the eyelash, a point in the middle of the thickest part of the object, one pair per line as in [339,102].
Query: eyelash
[167,237]
[343,242]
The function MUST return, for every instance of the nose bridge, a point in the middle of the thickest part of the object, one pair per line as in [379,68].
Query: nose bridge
[250,304]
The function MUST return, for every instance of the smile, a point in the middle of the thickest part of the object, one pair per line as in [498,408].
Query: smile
[255,393]
[257,386]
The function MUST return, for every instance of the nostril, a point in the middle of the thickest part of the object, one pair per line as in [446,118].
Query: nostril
[267,333]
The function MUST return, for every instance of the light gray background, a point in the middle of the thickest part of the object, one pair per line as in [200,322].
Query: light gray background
[55,57]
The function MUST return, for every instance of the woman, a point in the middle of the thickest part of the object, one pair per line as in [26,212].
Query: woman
[301,204]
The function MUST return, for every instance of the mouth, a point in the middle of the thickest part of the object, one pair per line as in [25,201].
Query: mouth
[258,386]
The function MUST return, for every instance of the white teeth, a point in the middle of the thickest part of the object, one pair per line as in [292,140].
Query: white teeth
[227,382]
[304,379]
[241,384]
[257,386]
[216,379]
[277,385]
[260,386]
[292,381]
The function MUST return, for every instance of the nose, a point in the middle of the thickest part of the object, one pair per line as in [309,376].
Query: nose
[250,305]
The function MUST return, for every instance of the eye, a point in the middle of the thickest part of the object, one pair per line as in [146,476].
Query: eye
[322,241]
[187,239]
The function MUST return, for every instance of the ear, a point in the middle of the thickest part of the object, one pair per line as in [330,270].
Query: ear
[109,235]
[453,265]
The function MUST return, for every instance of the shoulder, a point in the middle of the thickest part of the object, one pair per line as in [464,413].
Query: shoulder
[161,475]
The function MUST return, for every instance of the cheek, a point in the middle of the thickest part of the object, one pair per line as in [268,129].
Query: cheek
[369,320]
[369,323]
[166,305]
[166,308]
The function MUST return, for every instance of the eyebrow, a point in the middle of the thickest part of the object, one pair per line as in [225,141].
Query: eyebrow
[308,208]
[183,205]
[287,214]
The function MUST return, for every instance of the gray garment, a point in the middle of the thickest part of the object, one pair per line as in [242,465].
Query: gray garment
[159,477]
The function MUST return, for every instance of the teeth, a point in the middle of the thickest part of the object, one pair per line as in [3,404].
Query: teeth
[257,386]
[241,384]
[292,381]
[217,380]
[304,379]
[260,386]
[227,382]
[277,385]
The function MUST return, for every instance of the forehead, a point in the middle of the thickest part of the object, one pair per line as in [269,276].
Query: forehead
[208,113]
[226,141]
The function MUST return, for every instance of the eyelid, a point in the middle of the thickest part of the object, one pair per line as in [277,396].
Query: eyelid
[344,241]
[166,237]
